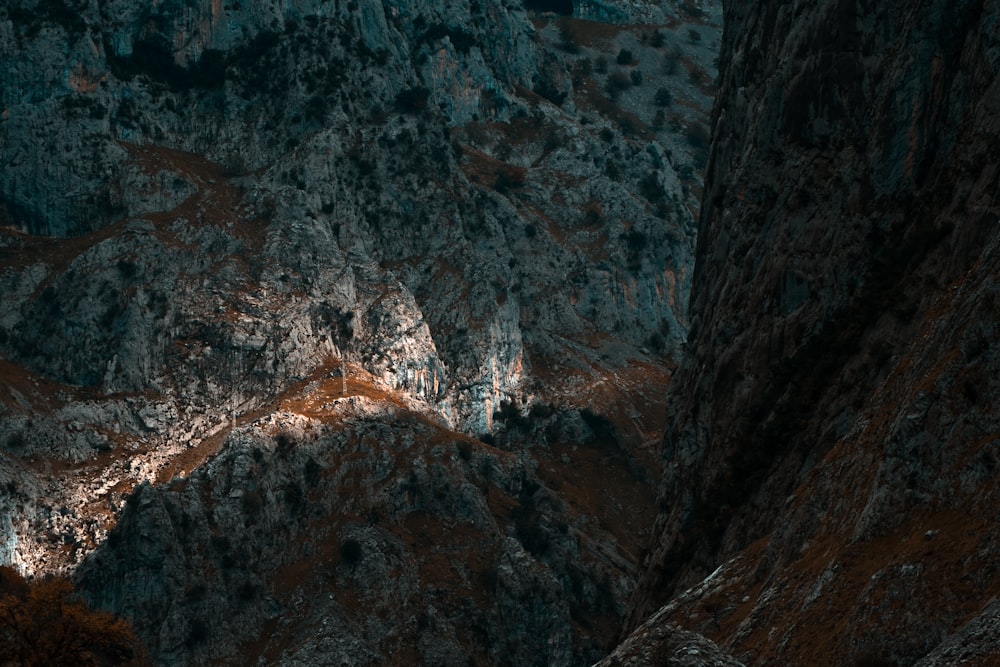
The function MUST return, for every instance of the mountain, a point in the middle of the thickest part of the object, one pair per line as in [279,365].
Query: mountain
[830,484]
[339,332]
[383,333]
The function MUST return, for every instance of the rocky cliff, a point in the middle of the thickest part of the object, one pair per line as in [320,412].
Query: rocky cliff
[319,320]
[832,454]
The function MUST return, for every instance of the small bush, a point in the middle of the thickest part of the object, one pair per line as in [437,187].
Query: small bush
[567,38]
[412,100]
[283,443]
[541,411]
[697,136]
[247,592]
[599,425]
[624,57]
[627,125]
[198,632]
[694,36]
[508,179]
[594,217]
[663,97]
[127,269]
[43,623]
[294,498]
[351,552]
[15,440]
[672,60]
[253,503]
[617,82]
[651,189]
[636,76]
[312,472]
[547,89]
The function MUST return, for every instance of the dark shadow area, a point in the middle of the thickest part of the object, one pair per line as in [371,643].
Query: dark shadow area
[561,7]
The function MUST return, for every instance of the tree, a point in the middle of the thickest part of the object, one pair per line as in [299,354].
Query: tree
[672,60]
[42,624]
[567,37]
[663,97]
[617,82]
[698,136]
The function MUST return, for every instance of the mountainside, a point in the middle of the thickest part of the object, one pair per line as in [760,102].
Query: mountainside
[831,460]
[339,331]
[358,332]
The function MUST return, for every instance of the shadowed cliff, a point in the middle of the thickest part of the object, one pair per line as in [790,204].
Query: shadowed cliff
[833,440]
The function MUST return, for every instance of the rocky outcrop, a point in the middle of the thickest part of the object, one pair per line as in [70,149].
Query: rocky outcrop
[833,423]
[361,539]
[353,190]
[658,643]
[390,228]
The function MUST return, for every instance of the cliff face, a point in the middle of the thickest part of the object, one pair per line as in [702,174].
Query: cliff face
[832,445]
[362,297]
[320,140]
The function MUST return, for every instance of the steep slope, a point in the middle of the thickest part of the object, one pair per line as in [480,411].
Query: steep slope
[833,443]
[360,532]
[361,297]
[342,152]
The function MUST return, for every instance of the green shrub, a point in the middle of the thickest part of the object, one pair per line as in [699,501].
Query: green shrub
[567,38]
[294,498]
[663,97]
[351,552]
[412,100]
[697,135]
[312,472]
[652,190]
[617,82]
[508,179]
[672,60]
[252,503]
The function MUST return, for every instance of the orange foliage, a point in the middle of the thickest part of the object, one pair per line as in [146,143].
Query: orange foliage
[43,625]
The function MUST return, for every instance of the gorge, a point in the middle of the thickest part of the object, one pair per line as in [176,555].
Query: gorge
[622,332]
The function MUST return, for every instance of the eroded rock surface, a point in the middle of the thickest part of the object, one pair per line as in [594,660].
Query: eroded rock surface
[393,230]
[832,431]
